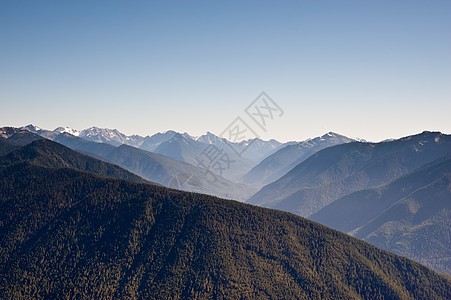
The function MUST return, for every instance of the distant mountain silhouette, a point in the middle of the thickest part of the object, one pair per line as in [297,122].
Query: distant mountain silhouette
[186,149]
[255,149]
[337,171]
[180,146]
[110,136]
[150,143]
[160,168]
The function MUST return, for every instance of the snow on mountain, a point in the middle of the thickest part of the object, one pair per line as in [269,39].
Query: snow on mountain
[256,149]
[31,128]
[67,130]
[49,134]
[110,136]
[361,140]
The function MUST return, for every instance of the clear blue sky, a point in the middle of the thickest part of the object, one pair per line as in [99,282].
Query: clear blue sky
[369,69]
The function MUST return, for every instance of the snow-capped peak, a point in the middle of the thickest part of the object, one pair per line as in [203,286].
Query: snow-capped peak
[330,134]
[361,140]
[67,130]
[110,136]
[32,128]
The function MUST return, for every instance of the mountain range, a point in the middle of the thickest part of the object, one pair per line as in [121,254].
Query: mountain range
[180,146]
[14,137]
[45,153]
[159,168]
[409,216]
[393,194]
[66,232]
[340,170]
[360,188]
[281,162]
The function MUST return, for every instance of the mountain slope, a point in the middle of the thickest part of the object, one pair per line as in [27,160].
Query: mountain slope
[169,172]
[110,136]
[340,170]
[159,168]
[79,144]
[410,216]
[67,130]
[6,147]
[48,134]
[17,137]
[13,138]
[417,227]
[260,149]
[255,149]
[279,163]
[118,239]
[150,143]
[184,148]
[49,154]
[181,148]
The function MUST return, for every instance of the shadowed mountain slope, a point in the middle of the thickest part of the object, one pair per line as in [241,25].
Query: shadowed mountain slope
[49,154]
[278,164]
[410,216]
[17,137]
[340,170]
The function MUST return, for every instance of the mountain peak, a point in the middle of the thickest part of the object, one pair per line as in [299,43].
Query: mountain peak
[67,130]
[110,136]
[181,137]
[95,129]
[332,134]
[424,135]
[32,128]
[209,138]
[430,133]
[166,132]
[6,132]
[208,133]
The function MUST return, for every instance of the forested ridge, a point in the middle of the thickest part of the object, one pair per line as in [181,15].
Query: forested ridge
[49,154]
[70,233]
